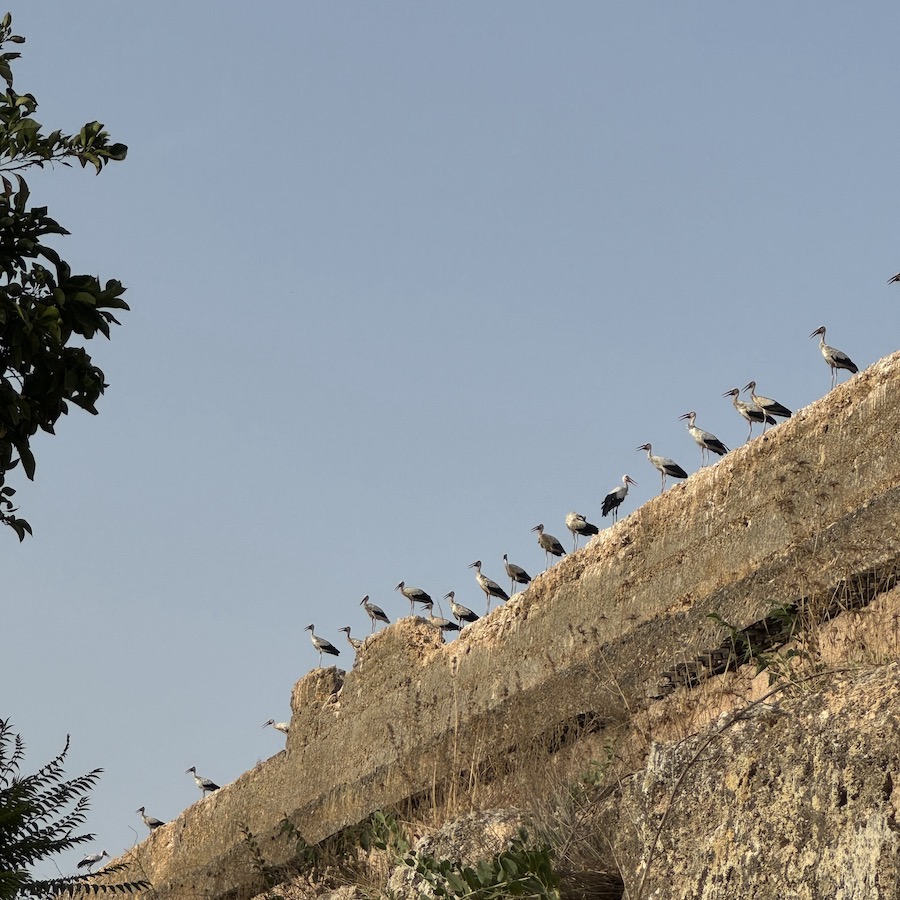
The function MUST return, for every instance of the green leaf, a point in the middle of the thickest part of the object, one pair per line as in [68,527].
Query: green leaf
[27,458]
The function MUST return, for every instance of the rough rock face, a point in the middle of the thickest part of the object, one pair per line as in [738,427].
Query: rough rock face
[793,797]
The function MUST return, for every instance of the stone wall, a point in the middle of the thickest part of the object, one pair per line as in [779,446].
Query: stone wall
[792,797]
[805,516]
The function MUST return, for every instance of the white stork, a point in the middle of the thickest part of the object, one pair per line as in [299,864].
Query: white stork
[413,594]
[283,727]
[517,575]
[322,645]
[440,623]
[613,500]
[150,821]
[895,278]
[578,524]
[705,441]
[460,613]
[665,466]
[548,543]
[767,404]
[375,613]
[749,411]
[205,784]
[488,585]
[355,643]
[89,861]
[835,358]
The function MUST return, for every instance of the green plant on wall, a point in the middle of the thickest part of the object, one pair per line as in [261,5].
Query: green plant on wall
[518,871]
[782,621]
[522,870]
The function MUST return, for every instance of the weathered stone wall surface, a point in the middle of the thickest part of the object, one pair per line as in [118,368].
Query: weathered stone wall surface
[807,512]
[790,798]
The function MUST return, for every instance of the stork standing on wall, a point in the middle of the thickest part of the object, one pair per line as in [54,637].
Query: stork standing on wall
[705,441]
[490,587]
[283,727]
[150,821]
[460,613]
[835,358]
[89,861]
[375,613]
[549,544]
[578,524]
[322,645]
[205,784]
[665,466]
[414,595]
[441,623]
[355,643]
[517,575]
[751,413]
[613,500]
[769,406]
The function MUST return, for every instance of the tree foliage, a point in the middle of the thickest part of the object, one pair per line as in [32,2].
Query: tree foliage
[39,815]
[46,311]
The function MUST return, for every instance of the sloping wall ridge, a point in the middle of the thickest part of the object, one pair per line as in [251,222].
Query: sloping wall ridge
[805,513]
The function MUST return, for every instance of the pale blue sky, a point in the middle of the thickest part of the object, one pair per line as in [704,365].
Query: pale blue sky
[407,279]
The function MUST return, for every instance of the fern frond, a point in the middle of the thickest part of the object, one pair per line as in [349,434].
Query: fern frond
[40,816]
